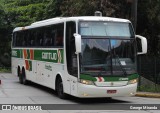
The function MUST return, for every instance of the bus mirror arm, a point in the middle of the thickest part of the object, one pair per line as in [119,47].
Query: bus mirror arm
[77,43]
[78,49]
[143,43]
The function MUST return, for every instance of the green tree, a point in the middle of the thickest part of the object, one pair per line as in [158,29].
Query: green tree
[149,24]
[14,13]
[25,12]
[53,9]
[115,8]
[79,7]
[4,41]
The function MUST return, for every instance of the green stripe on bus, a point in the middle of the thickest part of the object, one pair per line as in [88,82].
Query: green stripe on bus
[129,77]
[133,76]
[48,56]
[55,56]
[28,54]
[30,65]
[87,77]
[16,53]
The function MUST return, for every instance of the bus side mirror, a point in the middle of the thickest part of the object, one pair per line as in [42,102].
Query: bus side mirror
[77,43]
[143,42]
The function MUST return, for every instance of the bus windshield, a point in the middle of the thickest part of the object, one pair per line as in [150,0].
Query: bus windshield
[109,53]
[111,29]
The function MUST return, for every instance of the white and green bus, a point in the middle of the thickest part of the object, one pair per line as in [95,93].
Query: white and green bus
[86,57]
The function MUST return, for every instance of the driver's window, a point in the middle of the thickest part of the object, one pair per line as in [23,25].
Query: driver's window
[70,48]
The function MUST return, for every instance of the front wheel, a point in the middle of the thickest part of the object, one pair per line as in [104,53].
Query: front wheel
[60,90]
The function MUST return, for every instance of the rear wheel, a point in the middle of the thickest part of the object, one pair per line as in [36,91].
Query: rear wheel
[18,71]
[20,76]
[60,90]
[25,81]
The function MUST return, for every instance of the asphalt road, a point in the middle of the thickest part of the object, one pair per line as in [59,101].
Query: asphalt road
[12,92]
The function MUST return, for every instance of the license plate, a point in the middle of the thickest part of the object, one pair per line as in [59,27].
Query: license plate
[111,91]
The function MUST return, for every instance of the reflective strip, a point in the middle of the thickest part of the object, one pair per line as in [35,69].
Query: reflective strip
[100,79]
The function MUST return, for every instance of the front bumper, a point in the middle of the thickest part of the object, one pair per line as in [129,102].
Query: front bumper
[92,91]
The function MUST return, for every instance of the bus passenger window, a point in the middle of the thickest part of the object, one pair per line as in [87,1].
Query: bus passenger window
[24,43]
[59,39]
[47,42]
[41,42]
[14,39]
[53,35]
[32,42]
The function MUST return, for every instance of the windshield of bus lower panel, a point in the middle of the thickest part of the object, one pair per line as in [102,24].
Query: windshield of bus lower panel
[108,49]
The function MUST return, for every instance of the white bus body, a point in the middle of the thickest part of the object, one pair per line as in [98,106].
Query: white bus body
[102,67]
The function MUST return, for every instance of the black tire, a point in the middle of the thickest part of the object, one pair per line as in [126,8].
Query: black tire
[20,76]
[25,81]
[18,72]
[60,91]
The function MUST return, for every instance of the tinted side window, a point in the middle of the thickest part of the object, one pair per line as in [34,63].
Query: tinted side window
[46,36]
[19,39]
[51,36]
[59,28]
[25,37]
[70,48]
[39,37]
[32,37]
[14,39]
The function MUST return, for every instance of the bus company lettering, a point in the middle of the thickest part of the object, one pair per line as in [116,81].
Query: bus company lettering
[48,67]
[123,79]
[49,56]
[14,53]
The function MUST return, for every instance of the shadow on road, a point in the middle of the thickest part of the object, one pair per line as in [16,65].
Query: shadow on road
[97,100]
[79,100]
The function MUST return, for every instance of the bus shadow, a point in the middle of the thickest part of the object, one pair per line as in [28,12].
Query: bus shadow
[97,100]
[41,87]
[79,100]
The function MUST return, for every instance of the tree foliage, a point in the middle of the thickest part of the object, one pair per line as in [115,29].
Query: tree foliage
[15,13]
[4,41]
[149,24]
[24,12]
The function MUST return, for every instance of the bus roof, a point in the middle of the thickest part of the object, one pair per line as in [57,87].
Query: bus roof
[63,19]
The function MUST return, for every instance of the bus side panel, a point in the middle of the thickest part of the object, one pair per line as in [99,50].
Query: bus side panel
[14,66]
[15,63]
[31,73]
[66,82]
[50,71]
[40,73]
[60,69]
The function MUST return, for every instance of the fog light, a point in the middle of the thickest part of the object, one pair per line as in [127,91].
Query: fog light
[85,94]
[132,93]
[133,81]
[87,82]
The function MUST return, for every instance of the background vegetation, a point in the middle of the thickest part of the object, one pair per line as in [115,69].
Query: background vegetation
[14,13]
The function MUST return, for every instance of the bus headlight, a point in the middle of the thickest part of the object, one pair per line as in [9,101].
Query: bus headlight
[87,82]
[133,81]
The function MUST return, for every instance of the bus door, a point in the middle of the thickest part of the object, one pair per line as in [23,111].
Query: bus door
[71,57]
[73,76]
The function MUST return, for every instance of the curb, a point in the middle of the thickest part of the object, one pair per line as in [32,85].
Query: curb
[151,95]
